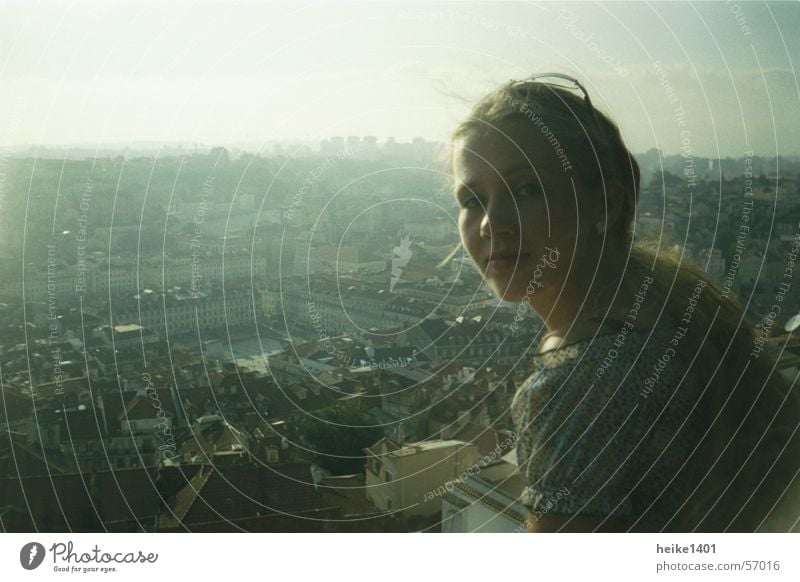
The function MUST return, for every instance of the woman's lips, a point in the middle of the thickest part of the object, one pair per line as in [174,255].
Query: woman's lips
[506,263]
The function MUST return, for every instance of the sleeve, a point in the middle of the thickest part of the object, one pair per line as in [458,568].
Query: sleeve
[579,436]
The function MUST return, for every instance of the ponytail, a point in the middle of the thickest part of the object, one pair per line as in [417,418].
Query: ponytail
[744,469]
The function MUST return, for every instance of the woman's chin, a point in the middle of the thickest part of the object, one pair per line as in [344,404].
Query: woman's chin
[510,293]
[516,298]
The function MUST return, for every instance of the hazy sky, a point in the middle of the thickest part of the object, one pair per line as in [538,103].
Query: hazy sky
[232,72]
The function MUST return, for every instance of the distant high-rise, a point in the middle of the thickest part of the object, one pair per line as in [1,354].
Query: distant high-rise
[353,142]
[332,146]
[337,144]
[370,147]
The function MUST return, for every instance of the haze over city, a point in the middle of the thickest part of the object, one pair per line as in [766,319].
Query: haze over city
[100,73]
[241,288]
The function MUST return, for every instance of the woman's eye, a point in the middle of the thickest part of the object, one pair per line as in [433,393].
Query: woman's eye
[470,202]
[528,190]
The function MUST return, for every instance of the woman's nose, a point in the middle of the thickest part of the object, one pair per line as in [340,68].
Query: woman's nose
[500,219]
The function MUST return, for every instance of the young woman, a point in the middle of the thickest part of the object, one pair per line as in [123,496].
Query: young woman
[647,409]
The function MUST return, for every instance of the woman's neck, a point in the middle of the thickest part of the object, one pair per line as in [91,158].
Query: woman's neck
[608,300]
[579,330]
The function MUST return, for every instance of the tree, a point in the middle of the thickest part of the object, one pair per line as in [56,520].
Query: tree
[219,154]
[666,178]
[338,436]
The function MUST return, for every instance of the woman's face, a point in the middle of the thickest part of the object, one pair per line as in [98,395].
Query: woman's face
[519,218]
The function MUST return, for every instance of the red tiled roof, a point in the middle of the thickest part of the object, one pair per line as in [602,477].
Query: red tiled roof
[486,439]
[234,492]
[119,500]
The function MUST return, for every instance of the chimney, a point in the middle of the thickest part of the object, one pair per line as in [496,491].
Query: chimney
[401,434]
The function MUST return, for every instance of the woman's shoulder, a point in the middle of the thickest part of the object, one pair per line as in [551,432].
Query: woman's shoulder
[609,384]
[633,359]
[616,340]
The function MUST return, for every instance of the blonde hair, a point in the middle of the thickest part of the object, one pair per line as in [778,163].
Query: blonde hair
[743,472]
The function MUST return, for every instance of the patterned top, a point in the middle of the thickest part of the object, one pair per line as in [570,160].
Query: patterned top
[602,431]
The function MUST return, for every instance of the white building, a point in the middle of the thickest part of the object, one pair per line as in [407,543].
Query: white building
[404,477]
[486,501]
